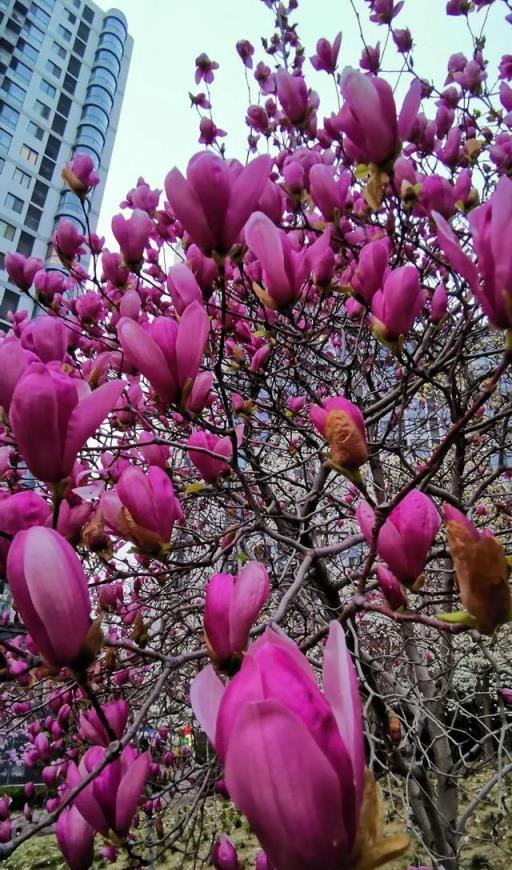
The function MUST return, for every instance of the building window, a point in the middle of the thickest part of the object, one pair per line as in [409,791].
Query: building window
[22,178]
[47,168]
[9,303]
[25,244]
[27,49]
[33,217]
[29,154]
[39,193]
[52,148]
[59,124]
[2,164]
[69,84]
[64,32]
[39,14]
[7,230]
[8,115]
[5,141]
[64,105]
[79,47]
[88,14]
[76,3]
[59,50]
[71,17]
[15,92]
[49,3]
[14,203]
[47,88]
[35,131]
[2,255]
[74,66]
[30,29]
[54,69]
[83,31]
[42,109]
[20,70]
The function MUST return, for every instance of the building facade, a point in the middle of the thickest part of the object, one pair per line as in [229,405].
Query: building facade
[63,71]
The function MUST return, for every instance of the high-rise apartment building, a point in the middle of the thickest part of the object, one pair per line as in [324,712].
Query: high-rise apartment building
[63,70]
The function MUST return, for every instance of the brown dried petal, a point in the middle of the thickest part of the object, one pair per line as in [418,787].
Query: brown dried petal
[348,447]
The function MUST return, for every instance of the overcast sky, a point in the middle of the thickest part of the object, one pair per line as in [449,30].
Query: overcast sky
[159,130]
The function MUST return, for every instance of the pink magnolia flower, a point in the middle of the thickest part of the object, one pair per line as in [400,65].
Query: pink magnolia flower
[391,589]
[370,58]
[224,854]
[50,591]
[245,52]
[47,337]
[284,268]
[142,197]
[205,68]
[109,802]
[17,512]
[48,284]
[341,423]
[406,536]
[328,192]
[183,287]
[397,305]
[14,362]
[92,729]
[215,200]
[492,283]
[69,243]
[293,756]
[438,304]
[209,132]
[370,270]
[80,175]
[21,270]
[143,508]
[154,454]
[75,838]
[52,416]
[292,93]
[326,57]
[132,235]
[167,353]
[209,467]
[231,608]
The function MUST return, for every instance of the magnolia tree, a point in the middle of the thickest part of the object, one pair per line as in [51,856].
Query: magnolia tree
[254,483]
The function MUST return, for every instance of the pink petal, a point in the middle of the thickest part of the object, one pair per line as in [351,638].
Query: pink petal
[143,353]
[129,792]
[206,691]
[88,414]
[341,690]
[279,778]
[252,588]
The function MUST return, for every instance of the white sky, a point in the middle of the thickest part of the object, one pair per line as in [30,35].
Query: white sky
[158,129]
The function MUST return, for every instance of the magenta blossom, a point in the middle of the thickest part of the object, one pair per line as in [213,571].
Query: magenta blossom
[21,270]
[50,591]
[245,52]
[92,729]
[168,354]
[397,305]
[215,200]
[183,287]
[68,242]
[280,736]
[231,608]
[75,838]
[80,175]
[18,512]
[143,508]
[47,337]
[406,536]
[109,802]
[224,854]
[391,588]
[52,416]
[284,268]
[492,283]
[211,467]
[132,235]
[14,362]
[326,57]
[204,69]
